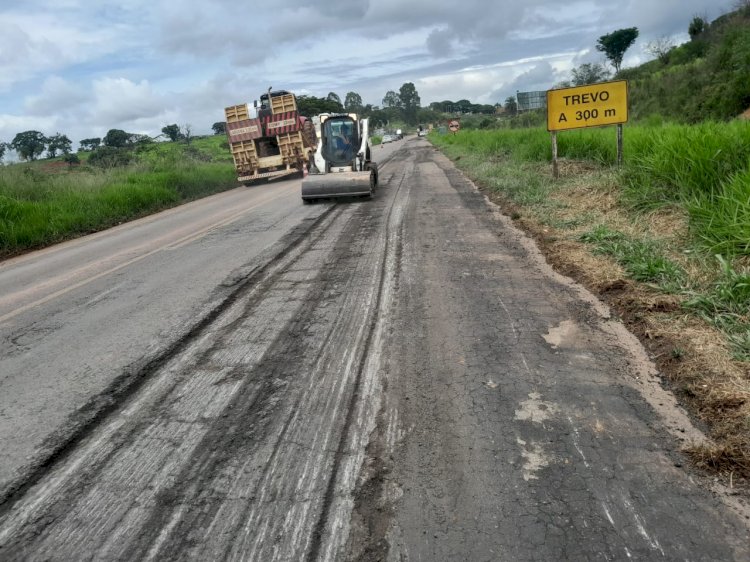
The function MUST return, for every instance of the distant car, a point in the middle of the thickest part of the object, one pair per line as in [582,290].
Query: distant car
[387,138]
[422,133]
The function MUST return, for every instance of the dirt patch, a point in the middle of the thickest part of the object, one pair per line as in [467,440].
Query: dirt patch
[692,356]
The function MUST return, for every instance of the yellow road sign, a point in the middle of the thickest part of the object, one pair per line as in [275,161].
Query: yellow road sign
[587,106]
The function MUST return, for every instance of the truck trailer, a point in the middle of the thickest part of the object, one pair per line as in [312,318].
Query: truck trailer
[276,142]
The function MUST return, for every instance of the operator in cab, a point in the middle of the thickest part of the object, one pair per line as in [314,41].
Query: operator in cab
[345,142]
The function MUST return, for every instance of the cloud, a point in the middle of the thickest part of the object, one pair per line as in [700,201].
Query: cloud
[82,68]
[57,96]
[120,101]
[439,42]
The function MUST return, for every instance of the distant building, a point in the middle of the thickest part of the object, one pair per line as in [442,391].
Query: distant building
[527,101]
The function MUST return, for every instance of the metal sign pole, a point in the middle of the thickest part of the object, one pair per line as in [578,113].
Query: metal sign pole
[619,144]
[555,170]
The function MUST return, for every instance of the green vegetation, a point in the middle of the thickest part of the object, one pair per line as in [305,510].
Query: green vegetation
[674,225]
[701,170]
[726,304]
[643,260]
[614,45]
[48,201]
[704,168]
[705,78]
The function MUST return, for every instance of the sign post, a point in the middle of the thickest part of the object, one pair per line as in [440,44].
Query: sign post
[595,105]
[555,169]
[454,125]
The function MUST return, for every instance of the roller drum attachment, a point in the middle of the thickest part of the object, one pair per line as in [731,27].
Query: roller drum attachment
[340,184]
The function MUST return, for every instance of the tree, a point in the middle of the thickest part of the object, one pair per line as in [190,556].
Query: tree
[90,144]
[3,147]
[462,106]
[116,138]
[589,73]
[171,131]
[333,96]
[659,48]
[614,45]
[511,107]
[378,118]
[410,102]
[72,159]
[220,128]
[140,140]
[58,142]
[353,102]
[697,26]
[391,99]
[310,106]
[109,157]
[186,132]
[29,144]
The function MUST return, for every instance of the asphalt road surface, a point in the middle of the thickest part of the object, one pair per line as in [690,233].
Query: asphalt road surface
[402,378]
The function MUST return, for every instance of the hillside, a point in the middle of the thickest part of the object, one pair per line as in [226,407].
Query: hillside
[707,78]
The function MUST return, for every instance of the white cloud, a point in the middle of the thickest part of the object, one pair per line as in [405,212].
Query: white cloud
[120,101]
[58,96]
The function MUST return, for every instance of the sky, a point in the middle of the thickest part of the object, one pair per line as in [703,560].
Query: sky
[82,68]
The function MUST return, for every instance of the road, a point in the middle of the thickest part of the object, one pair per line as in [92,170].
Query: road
[249,378]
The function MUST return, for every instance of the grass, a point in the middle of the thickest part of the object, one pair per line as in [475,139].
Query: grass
[704,168]
[726,304]
[41,206]
[674,221]
[642,260]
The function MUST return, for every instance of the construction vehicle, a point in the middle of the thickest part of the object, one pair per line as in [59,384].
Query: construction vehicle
[342,164]
[276,142]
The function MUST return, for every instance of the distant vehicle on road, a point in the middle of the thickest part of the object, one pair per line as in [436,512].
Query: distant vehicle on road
[422,133]
[387,138]
[399,134]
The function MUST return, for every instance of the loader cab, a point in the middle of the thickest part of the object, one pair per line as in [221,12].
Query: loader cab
[340,138]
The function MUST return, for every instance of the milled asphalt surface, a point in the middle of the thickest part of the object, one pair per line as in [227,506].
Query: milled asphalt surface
[513,425]
[395,379]
[78,320]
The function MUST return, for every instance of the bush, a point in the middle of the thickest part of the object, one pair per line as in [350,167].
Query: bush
[110,157]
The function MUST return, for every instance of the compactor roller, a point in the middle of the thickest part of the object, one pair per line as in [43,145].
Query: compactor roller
[342,165]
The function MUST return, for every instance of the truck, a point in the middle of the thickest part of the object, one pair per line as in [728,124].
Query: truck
[276,142]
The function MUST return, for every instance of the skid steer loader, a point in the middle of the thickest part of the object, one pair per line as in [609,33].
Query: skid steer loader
[342,165]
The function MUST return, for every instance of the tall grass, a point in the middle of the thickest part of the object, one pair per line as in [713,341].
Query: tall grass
[705,168]
[38,207]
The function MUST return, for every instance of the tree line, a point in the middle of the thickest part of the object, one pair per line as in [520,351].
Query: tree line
[402,106]
[31,145]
